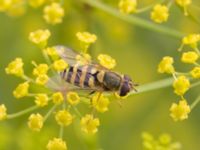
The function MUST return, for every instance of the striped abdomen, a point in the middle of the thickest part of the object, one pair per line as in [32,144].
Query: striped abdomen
[82,76]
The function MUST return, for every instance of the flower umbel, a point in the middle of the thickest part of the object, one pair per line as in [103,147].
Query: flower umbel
[106,61]
[189,57]
[181,85]
[53,13]
[57,144]
[21,90]
[166,65]
[73,98]
[127,6]
[41,100]
[63,118]
[160,13]
[180,111]
[3,113]
[35,122]
[89,124]
[15,67]
[100,102]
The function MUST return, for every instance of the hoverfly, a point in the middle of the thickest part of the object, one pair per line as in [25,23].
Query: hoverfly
[89,75]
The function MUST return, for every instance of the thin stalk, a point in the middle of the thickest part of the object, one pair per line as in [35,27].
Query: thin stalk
[153,86]
[49,112]
[135,20]
[23,112]
[195,102]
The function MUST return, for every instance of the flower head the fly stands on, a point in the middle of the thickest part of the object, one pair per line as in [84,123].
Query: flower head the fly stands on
[159,11]
[63,103]
[182,83]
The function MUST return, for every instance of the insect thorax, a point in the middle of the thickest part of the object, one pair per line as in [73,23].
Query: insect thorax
[112,81]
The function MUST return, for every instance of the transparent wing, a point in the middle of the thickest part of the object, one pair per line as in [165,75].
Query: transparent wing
[72,57]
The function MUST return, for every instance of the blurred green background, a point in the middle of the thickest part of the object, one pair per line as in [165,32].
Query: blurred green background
[137,52]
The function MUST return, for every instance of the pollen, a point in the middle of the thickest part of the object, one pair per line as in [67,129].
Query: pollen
[42,79]
[3,112]
[41,69]
[181,85]
[166,65]
[63,118]
[180,111]
[127,6]
[89,124]
[73,98]
[21,90]
[195,72]
[53,13]
[160,13]
[106,61]
[57,144]
[35,122]
[100,102]
[41,100]
[60,65]
[36,3]
[15,67]
[40,37]
[57,98]
[189,57]
[191,40]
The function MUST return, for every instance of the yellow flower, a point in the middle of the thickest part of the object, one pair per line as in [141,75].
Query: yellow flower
[73,98]
[86,37]
[35,122]
[42,79]
[191,40]
[127,6]
[21,90]
[184,4]
[165,139]
[3,113]
[89,124]
[36,3]
[41,100]
[106,61]
[63,118]
[41,69]
[100,102]
[16,9]
[40,37]
[160,13]
[83,59]
[166,65]
[57,98]
[5,4]
[180,111]
[195,72]
[54,13]
[181,85]
[15,67]
[56,144]
[51,52]
[189,57]
[60,65]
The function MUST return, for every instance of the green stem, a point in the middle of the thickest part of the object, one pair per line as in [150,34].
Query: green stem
[135,20]
[61,132]
[154,86]
[23,112]
[49,112]
[195,102]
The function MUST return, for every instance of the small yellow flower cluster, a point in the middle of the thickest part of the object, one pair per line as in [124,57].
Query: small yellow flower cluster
[36,3]
[3,112]
[86,39]
[35,122]
[181,82]
[180,111]
[13,7]
[127,6]
[106,61]
[41,100]
[53,13]
[21,90]
[89,124]
[63,118]
[184,4]
[164,142]
[160,13]
[73,98]
[57,144]
[60,65]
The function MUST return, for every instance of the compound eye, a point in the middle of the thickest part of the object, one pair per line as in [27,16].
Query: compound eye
[125,89]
